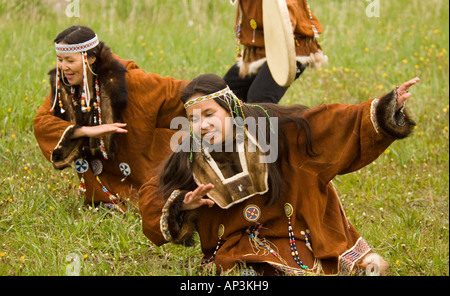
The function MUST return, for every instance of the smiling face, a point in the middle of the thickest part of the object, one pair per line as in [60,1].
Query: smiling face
[71,65]
[209,121]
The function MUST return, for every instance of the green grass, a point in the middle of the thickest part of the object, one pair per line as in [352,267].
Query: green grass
[399,204]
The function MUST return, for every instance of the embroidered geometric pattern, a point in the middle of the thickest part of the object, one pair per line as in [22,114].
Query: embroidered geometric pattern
[348,259]
[207,97]
[252,213]
[81,165]
[125,168]
[72,48]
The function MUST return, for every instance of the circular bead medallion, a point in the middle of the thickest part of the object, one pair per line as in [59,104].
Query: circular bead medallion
[125,168]
[252,213]
[97,167]
[81,165]
[221,230]
[288,209]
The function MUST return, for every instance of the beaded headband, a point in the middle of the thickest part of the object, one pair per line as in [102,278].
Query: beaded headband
[74,48]
[234,106]
[80,47]
[222,92]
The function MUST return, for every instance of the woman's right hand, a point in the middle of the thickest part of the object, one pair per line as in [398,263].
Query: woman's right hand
[194,199]
[98,131]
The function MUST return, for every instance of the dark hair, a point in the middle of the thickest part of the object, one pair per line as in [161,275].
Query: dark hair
[79,34]
[177,172]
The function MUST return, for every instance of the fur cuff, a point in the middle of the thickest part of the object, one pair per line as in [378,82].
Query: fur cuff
[67,149]
[178,226]
[396,124]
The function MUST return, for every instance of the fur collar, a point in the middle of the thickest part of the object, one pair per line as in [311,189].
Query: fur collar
[113,98]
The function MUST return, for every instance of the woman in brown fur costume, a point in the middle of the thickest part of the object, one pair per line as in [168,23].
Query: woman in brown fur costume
[106,116]
[272,214]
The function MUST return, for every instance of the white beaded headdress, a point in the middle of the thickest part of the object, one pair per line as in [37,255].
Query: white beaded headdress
[74,48]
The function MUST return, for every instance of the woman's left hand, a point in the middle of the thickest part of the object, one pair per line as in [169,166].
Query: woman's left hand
[402,91]
[194,199]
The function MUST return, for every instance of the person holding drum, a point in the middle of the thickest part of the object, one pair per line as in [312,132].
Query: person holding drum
[268,58]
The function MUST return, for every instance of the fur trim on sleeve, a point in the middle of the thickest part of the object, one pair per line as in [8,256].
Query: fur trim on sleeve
[67,149]
[178,226]
[396,124]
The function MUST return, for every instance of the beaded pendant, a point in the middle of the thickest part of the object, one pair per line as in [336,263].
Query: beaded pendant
[81,166]
[289,210]
[307,235]
[85,97]
[253,25]
[220,233]
[98,117]
[59,97]
[125,169]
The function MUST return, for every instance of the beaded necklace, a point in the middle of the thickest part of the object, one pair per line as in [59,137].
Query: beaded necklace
[81,166]
[97,114]
[98,118]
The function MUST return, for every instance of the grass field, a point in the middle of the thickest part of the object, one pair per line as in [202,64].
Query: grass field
[399,203]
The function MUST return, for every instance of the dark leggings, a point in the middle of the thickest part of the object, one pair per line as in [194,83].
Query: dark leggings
[257,88]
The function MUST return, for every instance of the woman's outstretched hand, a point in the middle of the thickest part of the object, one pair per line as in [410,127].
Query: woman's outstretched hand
[402,91]
[194,199]
[98,131]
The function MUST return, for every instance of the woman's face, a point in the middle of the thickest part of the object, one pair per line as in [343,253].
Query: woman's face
[209,121]
[71,65]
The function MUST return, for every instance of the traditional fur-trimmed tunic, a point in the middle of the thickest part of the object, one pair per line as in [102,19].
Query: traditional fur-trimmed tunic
[308,50]
[145,101]
[347,138]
